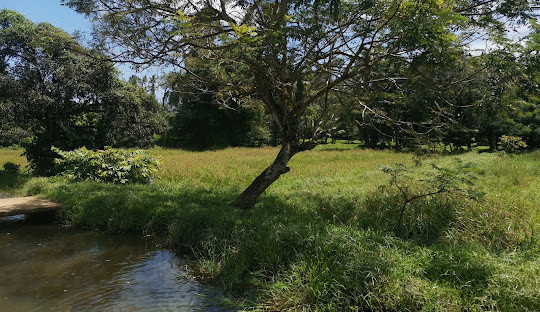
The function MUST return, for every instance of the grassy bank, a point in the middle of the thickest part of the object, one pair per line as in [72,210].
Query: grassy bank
[324,236]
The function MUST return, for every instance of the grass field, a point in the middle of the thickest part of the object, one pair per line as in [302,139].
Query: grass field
[324,237]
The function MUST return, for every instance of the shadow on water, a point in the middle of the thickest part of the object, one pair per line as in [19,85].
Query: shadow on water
[51,268]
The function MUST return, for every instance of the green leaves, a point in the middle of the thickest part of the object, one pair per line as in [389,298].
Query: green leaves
[512,144]
[450,184]
[67,95]
[109,166]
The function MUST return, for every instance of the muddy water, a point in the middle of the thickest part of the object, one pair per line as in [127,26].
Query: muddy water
[50,268]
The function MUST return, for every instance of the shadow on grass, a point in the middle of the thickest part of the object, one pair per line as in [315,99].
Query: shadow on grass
[424,221]
[10,180]
[459,267]
[282,255]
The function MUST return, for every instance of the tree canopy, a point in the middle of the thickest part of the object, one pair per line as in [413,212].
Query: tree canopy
[294,55]
[66,95]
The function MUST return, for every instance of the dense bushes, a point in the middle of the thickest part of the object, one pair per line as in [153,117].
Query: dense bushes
[109,165]
[203,125]
[13,136]
[512,144]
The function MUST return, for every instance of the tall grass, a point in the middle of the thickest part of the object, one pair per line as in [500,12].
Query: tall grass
[323,237]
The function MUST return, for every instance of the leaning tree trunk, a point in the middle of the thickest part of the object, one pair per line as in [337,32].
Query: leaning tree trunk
[249,196]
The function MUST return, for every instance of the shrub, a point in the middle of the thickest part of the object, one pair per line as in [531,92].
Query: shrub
[423,206]
[512,144]
[110,165]
[11,167]
[37,186]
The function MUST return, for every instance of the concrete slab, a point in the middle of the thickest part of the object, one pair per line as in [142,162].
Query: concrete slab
[25,205]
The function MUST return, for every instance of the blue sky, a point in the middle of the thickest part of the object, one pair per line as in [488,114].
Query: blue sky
[51,11]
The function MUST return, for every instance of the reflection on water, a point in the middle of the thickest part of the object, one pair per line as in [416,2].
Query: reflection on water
[49,268]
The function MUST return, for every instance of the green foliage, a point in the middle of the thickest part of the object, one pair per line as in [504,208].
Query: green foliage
[109,166]
[198,121]
[423,205]
[512,144]
[11,178]
[12,135]
[37,186]
[294,57]
[56,92]
[131,118]
[323,238]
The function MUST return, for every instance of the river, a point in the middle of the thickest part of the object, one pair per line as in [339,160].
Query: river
[51,268]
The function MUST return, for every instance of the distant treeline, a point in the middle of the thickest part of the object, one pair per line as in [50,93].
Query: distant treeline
[452,98]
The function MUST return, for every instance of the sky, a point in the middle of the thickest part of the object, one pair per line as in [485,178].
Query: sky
[51,11]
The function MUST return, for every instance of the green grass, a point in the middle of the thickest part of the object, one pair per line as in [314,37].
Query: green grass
[323,237]
[11,181]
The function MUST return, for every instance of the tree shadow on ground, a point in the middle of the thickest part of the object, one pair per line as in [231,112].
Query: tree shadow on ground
[11,180]
[243,251]
[423,221]
[460,268]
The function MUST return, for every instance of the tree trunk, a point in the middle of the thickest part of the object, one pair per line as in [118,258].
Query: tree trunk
[492,140]
[249,196]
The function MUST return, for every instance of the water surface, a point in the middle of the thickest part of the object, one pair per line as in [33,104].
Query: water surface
[50,268]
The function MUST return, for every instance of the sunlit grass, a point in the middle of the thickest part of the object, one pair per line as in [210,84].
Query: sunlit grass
[323,236]
[12,155]
[12,181]
[238,167]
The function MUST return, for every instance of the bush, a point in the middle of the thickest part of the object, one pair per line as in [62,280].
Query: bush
[37,186]
[512,144]
[11,167]
[110,165]
[423,206]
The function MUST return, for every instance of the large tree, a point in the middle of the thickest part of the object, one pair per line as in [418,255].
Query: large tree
[525,117]
[292,53]
[65,94]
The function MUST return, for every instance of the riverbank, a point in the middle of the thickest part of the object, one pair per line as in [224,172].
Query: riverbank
[324,236]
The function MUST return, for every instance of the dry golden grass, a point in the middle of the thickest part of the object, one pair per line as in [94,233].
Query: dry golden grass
[12,155]
[239,166]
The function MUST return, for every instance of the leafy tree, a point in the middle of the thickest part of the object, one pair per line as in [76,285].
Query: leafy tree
[499,79]
[200,121]
[66,95]
[130,117]
[294,53]
[149,84]
[525,108]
